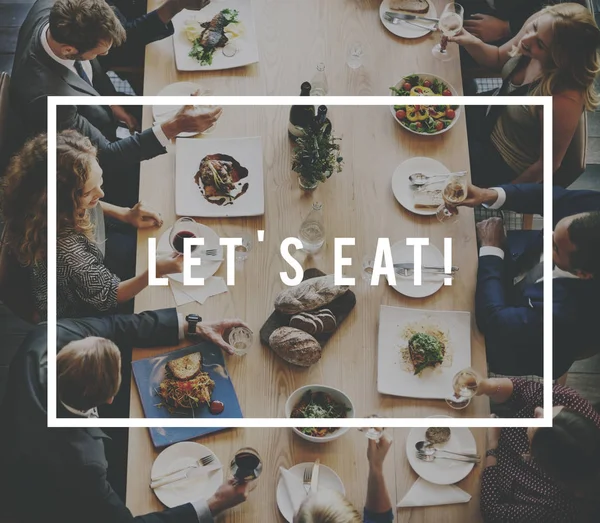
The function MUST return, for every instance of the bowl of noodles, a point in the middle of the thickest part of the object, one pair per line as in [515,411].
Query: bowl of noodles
[319,401]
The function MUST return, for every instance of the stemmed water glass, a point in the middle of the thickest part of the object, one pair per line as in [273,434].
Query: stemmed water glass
[454,193]
[450,24]
[465,384]
[374,433]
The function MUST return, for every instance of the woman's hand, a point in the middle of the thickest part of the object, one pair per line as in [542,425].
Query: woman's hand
[377,451]
[169,264]
[464,38]
[128,119]
[493,436]
[142,217]
[213,332]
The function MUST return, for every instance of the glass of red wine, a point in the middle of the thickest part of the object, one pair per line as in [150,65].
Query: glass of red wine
[246,465]
[183,228]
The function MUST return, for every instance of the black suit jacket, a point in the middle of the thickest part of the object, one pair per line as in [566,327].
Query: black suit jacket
[35,76]
[513,322]
[60,474]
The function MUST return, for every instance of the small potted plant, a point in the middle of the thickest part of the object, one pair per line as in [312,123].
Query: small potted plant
[316,157]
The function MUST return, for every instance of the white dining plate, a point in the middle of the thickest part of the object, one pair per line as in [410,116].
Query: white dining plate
[189,199]
[162,113]
[187,490]
[430,256]
[395,375]
[246,44]
[207,268]
[404,191]
[403,29]
[442,471]
[328,479]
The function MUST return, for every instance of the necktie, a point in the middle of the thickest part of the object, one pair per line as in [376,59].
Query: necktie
[82,74]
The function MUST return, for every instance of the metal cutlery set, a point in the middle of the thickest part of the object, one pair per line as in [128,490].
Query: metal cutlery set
[310,479]
[396,18]
[203,466]
[427,452]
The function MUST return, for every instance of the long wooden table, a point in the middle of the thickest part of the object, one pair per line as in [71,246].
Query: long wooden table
[281,448]
[357,203]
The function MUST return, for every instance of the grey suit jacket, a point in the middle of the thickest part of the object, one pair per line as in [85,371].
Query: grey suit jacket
[35,76]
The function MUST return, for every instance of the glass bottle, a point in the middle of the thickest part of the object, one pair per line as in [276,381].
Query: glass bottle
[319,82]
[322,122]
[301,116]
[312,230]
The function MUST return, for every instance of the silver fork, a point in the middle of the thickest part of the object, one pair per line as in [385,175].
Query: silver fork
[396,21]
[209,252]
[429,459]
[307,479]
[202,462]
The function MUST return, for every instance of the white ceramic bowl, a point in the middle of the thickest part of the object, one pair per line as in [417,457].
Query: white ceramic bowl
[336,394]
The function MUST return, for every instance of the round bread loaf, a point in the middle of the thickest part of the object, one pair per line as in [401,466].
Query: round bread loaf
[295,346]
[311,294]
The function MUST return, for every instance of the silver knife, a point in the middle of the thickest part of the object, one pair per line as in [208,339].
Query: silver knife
[173,478]
[314,482]
[410,17]
[425,268]
[424,27]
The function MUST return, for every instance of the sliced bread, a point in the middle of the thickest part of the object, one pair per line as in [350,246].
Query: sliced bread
[410,6]
[187,367]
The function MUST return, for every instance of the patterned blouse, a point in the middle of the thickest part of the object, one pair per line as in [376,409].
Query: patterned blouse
[518,490]
[84,285]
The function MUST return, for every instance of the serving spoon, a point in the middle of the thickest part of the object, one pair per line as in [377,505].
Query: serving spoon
[419,179]
[427,448]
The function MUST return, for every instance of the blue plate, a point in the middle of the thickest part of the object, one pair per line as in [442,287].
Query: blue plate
[149,372]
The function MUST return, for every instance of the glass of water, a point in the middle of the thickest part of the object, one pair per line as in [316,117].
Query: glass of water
[242,251]
[367,267]
[465,384]
[373,433]
[240,338]
[355,55]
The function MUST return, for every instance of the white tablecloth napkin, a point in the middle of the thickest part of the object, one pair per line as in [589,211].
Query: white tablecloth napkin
[293,487]
[425,494]
[185,294]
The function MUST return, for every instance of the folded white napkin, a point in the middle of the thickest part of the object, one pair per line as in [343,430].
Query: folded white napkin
[425,494]
[293,487]
[200,293]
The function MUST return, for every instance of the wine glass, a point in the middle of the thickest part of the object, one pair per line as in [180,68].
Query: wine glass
[465,384]
[183,228]
[454,192]
[373,433]
[246,465]
[240,338]
[242,251]
[450,24]
[355,55]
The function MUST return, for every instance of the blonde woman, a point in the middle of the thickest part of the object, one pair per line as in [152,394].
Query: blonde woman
[87,283]
[556,53]
[331,507]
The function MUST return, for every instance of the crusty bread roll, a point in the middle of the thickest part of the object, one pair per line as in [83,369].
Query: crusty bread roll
[309,295]
[295,346]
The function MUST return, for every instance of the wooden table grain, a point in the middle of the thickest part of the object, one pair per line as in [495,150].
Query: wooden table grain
[357,203]
[281,448]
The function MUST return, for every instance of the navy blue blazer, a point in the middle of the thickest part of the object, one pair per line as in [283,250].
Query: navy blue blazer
[512,321]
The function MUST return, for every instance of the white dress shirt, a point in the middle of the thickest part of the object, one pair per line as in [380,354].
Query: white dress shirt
[497,251]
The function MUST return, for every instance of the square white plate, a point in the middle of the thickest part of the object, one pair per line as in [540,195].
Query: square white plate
[393,375]
[246,44]
[188,196]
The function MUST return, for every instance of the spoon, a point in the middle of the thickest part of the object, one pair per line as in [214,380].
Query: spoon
[425,457]
[427,448]
[419,179]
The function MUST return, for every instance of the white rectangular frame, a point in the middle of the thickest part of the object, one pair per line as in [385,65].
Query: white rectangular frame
[54,102]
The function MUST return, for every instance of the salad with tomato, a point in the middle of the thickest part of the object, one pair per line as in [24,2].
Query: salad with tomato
[429,119]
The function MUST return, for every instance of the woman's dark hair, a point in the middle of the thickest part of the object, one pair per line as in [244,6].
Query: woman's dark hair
[569,451]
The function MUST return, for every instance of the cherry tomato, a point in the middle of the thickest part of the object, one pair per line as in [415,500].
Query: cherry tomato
[419,125]
[401,114]
[426,83]
[447,92]
[439,126]
[407,86]
[450,114]
[417,107]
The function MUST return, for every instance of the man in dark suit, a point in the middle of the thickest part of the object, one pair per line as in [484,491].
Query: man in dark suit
[63,474]
[56,55]
[509,300]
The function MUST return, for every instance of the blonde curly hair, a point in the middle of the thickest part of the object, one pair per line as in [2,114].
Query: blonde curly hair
[24,194]
[574,52]
[327,506]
